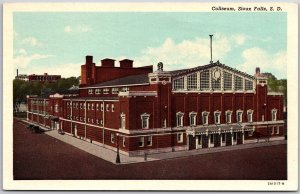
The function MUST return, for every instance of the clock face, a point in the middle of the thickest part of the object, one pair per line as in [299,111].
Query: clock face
[217,74]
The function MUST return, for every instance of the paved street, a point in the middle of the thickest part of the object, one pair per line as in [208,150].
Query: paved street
[39,156]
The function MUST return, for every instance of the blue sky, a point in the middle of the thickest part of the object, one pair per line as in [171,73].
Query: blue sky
[58,42]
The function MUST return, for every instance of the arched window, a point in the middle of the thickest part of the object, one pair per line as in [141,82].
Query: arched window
[238,83]
[179,119]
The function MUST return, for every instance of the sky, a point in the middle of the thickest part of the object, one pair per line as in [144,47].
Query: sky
[57,42]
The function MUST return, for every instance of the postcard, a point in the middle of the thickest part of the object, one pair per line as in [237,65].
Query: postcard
[150,96]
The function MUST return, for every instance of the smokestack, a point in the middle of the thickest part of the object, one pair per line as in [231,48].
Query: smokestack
[88,59]
[257,70]
[17,73]
[211,61]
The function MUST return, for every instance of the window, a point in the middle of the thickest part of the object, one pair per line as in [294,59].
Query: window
[227,81]
[97,106]
[192,82]
[68,105]
[149,141]
[248,85]
[112,108]
[217,117]
[106,91]
[107,107]
[101,107]
[122,121]
[141,141]
[84,105]
[77,106]
[272,132]
[124,141]
[98,91]
[274,114]
[204,80]
[101,121]
[179,119]
[223,137]
[193,119]
[164,123]
[277,130]
[112,138]
[90,91]
[115,91]
[145,121]
[56,108]
[212,138]
[249,115]
[180,137]
[178,84]
[250,133]
[228,116]
[92,106]
[88,120]
[238,83]
[239,116]
[81,105]
[216,84]
[205,118]
[125,89]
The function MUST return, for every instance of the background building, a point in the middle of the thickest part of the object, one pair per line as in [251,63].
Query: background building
[141,111]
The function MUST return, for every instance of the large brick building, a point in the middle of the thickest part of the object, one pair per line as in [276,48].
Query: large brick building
[141,111]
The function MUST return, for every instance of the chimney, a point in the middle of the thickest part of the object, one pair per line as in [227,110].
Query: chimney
[126,63]
[88,59]
[108,62]
[257,70]
[211,61]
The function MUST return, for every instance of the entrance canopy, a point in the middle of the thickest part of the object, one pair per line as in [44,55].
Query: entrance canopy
[213,129]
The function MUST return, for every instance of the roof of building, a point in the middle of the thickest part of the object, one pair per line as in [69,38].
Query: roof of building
[180,72]
[128,80]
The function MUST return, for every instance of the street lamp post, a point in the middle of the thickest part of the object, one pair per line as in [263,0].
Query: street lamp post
[118,161]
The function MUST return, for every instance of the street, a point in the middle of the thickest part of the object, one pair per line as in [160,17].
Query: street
[41,157]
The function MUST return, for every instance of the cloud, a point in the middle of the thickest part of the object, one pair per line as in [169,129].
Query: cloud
[84,28]
[77,29]
[22,60]
[67,29]
[32,41]
[187,53]
[258,57]
[239,39]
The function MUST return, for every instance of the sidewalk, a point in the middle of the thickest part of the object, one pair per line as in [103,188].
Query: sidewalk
[110,155]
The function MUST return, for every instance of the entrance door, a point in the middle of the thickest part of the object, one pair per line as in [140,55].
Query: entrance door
[192,142]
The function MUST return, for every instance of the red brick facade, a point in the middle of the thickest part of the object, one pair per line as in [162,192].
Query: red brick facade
[142,111]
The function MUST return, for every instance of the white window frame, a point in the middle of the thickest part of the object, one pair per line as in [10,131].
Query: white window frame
[179,119]
[274,114]
[92,106]
[106,91]
[112,138]
[193,118]
[142,141]
[97,106]
[192,81]
[107,107]
[97,91]
[90,91]
[228,112]
[56,108]
[277,130]
[250,113]
[125,89]
[124,141]
[164,123]
[101,106]
[115,90]
[122,121]
[149,137]
[239,119]
[178,84]
[205,115]
[147,118]
[112,108]
[180,137]
[217,117]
